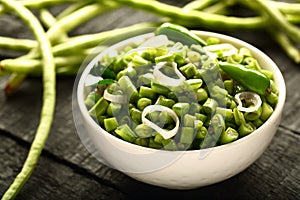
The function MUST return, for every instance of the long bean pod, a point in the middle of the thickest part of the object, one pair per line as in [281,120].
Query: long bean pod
[72,8]
[285,8]
[217,8]
[286,44]
[91,40]
[289,10]
[49,20]
[34,66]
[14,81]
[38,4]
[199,5]
[17,44]
[71,21]
[49,96]
[78,17]
[278,20]
[206,20]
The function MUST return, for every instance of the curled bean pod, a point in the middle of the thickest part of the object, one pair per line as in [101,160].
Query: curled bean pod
[48,97]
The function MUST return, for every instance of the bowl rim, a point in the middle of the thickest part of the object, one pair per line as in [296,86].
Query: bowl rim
[274,68]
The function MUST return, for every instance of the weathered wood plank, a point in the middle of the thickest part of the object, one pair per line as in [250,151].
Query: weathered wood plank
[51,179]
[291,114]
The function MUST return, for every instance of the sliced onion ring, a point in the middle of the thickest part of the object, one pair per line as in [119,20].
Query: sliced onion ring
[227,49]
[156,41]
[251,97]
[91,80]
[166,80]
[166,134]
[115,98]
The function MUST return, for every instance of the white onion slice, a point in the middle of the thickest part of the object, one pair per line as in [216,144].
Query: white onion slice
[227,49]
[166,80]
[91,80]
[156,41]
[251,97]
[148,75]
[166,134]
[115,98]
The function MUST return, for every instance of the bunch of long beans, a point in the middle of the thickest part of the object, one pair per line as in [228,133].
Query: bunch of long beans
[54,51]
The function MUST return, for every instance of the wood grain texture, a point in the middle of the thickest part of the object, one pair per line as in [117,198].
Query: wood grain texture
[51,180]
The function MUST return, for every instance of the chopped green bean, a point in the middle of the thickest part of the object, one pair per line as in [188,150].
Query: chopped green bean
[187,135]
[267,111]
[136,115]
[228,136]
[238,117]
[91,99]
[125,132]
[147,92]
[158,138]
[201,117]
[193,56]
[228,84]
[218,124]
[160,89]
[189,70]
[144,142]
[125,119]
[128,87]
[143,102]
[251,63]
[194,83]
[155,145]
[209,106]
[153,116]
[99,108]
[144,131]
[218,93]
[165,58]
[201,132]
[113,109]
[202,95]
[195,108]
[251,116]
[226,113]
[181,108]
[188,120]
[129,71]
[110,124]
[272,99]
[169,144]
[257,123]
[165,119]
[161,100]
[246,129]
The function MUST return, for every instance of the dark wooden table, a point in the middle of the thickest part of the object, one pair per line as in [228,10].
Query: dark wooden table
[67,171]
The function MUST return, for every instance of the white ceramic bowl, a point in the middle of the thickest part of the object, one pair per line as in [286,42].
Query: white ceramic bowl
[178,169]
